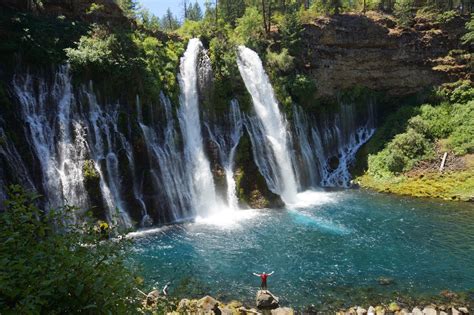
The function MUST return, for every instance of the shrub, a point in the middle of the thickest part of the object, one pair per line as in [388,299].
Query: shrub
[50,266]
[249,30]
[400,154]
[282,62]
[98,49]
[302,88]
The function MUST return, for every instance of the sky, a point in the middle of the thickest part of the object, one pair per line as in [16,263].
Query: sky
[159,7]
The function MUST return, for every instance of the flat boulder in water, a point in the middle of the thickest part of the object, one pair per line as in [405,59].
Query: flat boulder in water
[266,300]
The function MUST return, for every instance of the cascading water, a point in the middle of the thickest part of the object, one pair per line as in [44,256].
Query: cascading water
[57,139]
[274,126]
[103,126]
[204,199]
[165,154]
[227,140]
[68,130]
[340,139]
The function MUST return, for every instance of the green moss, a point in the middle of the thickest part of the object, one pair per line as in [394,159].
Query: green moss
[448,186]
[92,185]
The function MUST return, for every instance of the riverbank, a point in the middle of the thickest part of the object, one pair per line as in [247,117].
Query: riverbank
[446,303]
[452,184]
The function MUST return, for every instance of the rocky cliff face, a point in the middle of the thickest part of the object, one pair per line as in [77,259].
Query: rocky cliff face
[350,50]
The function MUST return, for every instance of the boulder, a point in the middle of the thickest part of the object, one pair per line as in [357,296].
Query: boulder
[454,311]
[185,306]
[464,310]
[283,311]
[152,297]
[379,310]
[371,311]
[429,310]
[393,307]
[266,300]
[403,311]
[361,311]
[416,311]
[207,304]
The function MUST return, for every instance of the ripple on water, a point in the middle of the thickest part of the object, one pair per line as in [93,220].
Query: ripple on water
[345,242]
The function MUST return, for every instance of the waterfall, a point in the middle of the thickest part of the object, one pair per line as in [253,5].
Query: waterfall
[104,142]
[55,136]
[279,173]
[340,140]
[165,154]
[226,141]
[204,198]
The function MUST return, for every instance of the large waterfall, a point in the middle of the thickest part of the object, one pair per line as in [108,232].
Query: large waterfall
[274,125]
[204,193]
[151,163]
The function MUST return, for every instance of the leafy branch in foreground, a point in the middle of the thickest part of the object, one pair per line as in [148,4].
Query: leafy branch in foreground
[52,266]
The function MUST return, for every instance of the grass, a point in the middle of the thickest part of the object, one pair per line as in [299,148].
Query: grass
[455,185]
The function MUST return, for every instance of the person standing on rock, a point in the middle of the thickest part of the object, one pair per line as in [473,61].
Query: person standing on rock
[264,277]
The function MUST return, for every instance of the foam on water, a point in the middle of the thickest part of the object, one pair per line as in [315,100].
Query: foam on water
[227,217]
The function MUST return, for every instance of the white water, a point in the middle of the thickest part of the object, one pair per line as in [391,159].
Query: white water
[274,125]
[204,199]
[55,136]
[226,138]
[340,139]
[103,125]
[171,174]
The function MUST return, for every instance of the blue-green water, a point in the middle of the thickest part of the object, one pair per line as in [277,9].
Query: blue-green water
[341,245]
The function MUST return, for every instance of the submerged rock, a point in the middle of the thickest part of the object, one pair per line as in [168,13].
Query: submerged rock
[385,280]
[266,300]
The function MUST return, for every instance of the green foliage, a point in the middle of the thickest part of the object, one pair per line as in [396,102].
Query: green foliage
[302,88]
[99,49]
[231,10]
[404,11]
[468,38]
[291,30]
[401,154]
[51,266]
[448,122]
[194,12]
[161,60]
[89,171]
[39,40]
[95,8]
[169,22]
[281,62]
[249,30]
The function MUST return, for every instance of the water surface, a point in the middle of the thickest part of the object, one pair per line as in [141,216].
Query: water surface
[343,244]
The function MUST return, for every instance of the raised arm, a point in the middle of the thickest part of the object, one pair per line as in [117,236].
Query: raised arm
[255,274]
[271,273]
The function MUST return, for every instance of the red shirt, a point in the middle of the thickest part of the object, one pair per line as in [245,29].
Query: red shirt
[264,277]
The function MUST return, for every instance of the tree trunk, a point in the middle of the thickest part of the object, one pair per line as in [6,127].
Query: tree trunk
[264,14]
[216,10]
[364,8]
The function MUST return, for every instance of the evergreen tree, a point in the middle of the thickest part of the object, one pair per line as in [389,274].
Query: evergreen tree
[231,10]
[169,22]
[194,12]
